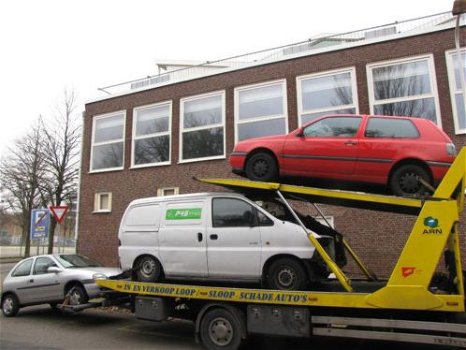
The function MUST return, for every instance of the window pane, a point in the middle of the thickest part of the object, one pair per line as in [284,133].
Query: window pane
[328,91]
[260,102]
[107,156]
[261,128]
[42,264]
[152,120]
[104,202]
[391,128]
[456,64]
[333,127]
[108,129]
[424,108]
[407,79]
[460,110]
[306,118]
[228,212]
[205,111]
[152,150]
[203,143]
[23,269]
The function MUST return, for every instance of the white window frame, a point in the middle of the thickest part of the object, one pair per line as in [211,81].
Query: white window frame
[299,90]
[284,115]
[98,202]
[432,76]
[204,127]
[164,133]
[94,121]
[161,191]
[453,89]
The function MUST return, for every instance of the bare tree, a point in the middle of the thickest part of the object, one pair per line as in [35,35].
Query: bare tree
[61,156]
[21,174]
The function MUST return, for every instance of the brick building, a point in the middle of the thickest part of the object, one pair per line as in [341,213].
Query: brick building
[152,137]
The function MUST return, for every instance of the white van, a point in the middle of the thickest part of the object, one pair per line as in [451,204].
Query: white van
[216,236]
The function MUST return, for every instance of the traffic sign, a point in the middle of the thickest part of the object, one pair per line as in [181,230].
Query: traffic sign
[40,220]
[59,212]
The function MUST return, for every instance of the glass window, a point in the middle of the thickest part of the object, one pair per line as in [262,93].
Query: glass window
[103,202]
[108,142]
[151,135]
[333,127]
[202,127]
[404,88]
[260,110]
[42,264]
[326,93]
[456,74]
[390,128]
[230,212]
[23,269]
[168,191]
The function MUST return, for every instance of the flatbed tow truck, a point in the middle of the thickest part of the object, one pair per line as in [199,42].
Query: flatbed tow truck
[409,306]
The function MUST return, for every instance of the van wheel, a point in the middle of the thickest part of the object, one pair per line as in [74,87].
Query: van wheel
[286,274]
[148,269]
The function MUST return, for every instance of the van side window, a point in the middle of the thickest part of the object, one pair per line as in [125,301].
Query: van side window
[390,128]
[230,212]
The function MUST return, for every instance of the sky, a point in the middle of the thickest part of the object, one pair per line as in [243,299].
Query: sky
[48,46]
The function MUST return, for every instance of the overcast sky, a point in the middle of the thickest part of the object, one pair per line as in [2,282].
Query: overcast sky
[50,45]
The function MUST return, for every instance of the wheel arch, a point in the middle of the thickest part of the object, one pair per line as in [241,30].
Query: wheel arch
[8,292]
[272,259]
[72,283]
[409,161]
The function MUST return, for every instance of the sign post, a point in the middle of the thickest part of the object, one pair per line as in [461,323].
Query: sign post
[40,221]
[59,213]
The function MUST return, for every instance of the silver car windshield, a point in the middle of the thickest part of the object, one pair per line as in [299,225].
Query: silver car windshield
[74,260]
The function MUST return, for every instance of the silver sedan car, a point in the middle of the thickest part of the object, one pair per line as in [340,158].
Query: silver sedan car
[50,279]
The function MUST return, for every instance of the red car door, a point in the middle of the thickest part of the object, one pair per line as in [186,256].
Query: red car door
[327,148]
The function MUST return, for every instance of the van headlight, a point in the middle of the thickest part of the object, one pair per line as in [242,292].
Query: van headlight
[99,276]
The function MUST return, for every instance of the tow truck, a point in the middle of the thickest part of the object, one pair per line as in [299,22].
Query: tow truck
[412,305]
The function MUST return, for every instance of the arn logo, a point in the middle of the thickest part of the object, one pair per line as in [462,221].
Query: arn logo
[432,226]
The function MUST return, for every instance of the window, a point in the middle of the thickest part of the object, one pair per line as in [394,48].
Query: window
[404,88]
[42,264]
[333,127]
[260,110]
[103,202]
[151,135]
[169,191]
[202,127]
[108,142]
[326,93]
[228,212]
[390,128]
[23,269]
[456,90]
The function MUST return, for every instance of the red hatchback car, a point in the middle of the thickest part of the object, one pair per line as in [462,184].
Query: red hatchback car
[394,151]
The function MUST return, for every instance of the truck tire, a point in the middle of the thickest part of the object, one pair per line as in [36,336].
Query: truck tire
[220,330]
[286,274]
[148,269]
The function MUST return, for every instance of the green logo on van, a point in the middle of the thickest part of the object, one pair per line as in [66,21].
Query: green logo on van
[183,214]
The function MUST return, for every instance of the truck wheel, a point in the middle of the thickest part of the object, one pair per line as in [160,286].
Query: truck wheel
[10,305]
[220,329]
[261,167]
[286,274]
[148,269]
[404,180]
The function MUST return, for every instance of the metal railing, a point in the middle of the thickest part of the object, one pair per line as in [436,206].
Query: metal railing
[318,44]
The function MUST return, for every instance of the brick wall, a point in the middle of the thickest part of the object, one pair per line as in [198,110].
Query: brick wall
[379,237]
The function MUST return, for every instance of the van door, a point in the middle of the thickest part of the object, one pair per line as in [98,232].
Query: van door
[233,244]
[182,239]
